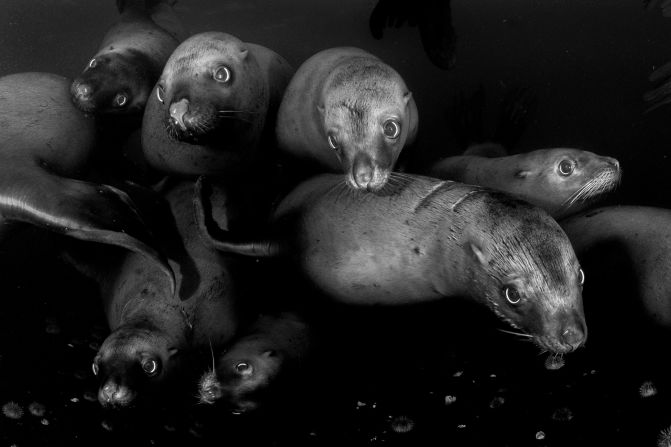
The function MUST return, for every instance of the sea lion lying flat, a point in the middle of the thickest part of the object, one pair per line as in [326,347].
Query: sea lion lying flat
[154,330]
[119,78]
[45,142]
[423,239]
[346,110]
[630,247]
[562,181]
[248,371]
[213,105]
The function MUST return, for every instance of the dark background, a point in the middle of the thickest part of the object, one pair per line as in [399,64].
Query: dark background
[587,61]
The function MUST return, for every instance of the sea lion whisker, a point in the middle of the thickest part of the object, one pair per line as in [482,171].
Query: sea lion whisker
[516,333]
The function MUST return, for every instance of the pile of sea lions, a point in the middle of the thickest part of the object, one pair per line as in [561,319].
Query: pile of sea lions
[248,158]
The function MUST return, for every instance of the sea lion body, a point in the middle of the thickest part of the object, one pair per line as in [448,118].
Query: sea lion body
[120,76]
[562,181]
[629,249]
[196,123]
[151,324]
[273,348]
[46,145]
[347,111]
[426,239]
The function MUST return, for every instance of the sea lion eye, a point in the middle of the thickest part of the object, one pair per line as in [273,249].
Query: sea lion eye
[333,142]
[566,167]
[150,367]
[244,368]
[222,74]
[95,368]
[93,63]
[160,94]
[120,100]
[391,129]
[581,277]
[512,295]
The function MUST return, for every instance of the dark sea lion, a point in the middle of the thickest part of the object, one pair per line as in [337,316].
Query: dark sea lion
[629,248]
[119,78]
[248,372]
[425,239]
[348,111]
[45,142]
[562,181]
[212,105]
[154,330]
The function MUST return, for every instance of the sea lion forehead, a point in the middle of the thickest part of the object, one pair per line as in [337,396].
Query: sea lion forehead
[365,76]
[203,52]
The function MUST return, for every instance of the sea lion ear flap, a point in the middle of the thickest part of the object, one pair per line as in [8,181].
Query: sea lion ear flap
[406,97]
[479,250]
[270,353]
[173,351]
[321,109]
[521,174]
[244,52]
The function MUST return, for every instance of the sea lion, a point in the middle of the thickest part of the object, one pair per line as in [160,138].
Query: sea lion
[346,110]
[154,330]
[246,373]
[45,142]
[210,107]
[425,239]
[562,181]
[629,248]
[118,79]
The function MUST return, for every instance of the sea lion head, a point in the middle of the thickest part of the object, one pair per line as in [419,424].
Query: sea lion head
[212,89]
[569,179]
[241,379]
[114,82]
[528,273]
[365,115]
[130,362]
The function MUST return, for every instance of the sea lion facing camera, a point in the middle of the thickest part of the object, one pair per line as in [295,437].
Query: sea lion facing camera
[249,370]
[45,148]
[120,76]
[346,110]
[211,105]
[425,239]
[154,330]
[562,181]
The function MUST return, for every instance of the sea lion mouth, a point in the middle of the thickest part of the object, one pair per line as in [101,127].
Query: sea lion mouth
[603,182]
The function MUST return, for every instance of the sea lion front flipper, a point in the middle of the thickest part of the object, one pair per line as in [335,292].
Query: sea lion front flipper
[225,240]
[82,210]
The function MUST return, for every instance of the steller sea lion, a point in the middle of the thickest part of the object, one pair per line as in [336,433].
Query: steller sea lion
[249,370]
[562,181]
[422,239]
[211,105]
[346,110]
[154,331]
[628,247]
[119,78]
[45,143]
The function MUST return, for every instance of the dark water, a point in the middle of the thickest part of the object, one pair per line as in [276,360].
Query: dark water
[587,62]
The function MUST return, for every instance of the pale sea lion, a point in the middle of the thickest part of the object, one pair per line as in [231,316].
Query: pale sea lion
[45,142]
[425,239]
[212,104]
[629,248]
[154,330]
[118,79]
[562,181]
[348,111]
[244,376]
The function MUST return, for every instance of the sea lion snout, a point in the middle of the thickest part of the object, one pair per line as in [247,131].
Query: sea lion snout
[179,114]
[113,394]
[367,174]
[566,333]
[82,91]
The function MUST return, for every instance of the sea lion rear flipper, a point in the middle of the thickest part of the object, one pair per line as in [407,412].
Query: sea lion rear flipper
[82,210]
[225,240]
